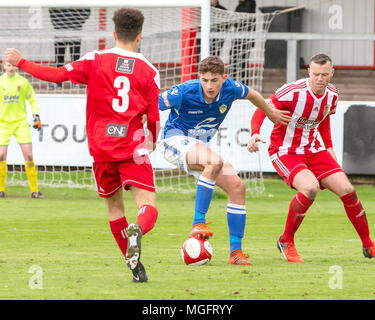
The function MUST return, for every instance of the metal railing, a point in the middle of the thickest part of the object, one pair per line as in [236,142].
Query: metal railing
[293,40]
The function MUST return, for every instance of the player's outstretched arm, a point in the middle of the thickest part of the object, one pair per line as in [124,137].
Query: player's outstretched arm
[275,115]
[47,73]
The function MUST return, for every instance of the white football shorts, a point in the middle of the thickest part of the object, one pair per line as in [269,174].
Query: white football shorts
[174,150]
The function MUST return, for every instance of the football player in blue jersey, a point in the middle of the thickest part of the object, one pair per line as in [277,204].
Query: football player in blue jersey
[197,108]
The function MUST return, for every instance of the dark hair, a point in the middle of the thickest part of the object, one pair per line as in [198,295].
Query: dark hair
[128,23]
[321,59]
[211,64]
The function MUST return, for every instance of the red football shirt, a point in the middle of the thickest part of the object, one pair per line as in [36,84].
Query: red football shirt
[122,86]
[310,118]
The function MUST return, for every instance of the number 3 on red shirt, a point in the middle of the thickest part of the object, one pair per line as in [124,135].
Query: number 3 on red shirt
[123,82]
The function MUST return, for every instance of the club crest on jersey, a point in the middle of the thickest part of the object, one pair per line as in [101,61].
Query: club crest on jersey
[326,109]
[223,108]
[18,88]
[125,65]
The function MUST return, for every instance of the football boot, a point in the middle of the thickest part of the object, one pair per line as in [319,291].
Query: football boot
[370,251]
[37,195]
[240,258]
[289,251]
[133,253]
[201,230]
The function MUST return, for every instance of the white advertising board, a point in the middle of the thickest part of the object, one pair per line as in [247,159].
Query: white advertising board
[62,140]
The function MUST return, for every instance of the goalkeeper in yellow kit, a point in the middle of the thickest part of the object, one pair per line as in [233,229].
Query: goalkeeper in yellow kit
[14,91]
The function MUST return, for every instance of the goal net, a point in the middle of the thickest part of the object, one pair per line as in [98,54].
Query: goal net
[174,39]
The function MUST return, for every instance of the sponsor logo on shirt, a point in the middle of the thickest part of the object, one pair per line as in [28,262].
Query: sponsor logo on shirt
[116,130]
[11,99]
[125,65]
[306,123]
[204,128]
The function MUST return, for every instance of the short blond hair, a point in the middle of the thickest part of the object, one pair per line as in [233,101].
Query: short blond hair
[320,58]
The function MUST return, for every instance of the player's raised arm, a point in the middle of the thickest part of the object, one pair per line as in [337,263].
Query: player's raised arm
[46,73]
[275,115]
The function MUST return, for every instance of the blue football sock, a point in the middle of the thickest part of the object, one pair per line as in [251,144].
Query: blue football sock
[236,217]
[205,189]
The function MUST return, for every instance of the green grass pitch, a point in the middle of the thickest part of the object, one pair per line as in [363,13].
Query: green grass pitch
[61,247]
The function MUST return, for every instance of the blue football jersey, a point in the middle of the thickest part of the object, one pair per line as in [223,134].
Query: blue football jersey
[190,115]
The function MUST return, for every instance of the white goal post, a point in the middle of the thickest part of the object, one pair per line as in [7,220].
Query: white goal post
[176,36]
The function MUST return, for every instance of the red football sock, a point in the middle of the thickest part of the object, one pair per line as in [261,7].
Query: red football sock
[357,217]
[297,210]
[147,216]
[118,228]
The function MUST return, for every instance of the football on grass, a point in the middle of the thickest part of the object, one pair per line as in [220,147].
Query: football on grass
[196,251]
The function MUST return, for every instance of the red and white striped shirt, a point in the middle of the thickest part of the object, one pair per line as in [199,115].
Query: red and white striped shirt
[310,119]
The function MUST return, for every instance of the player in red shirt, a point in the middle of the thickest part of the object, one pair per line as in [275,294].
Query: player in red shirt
[301,160]
[122,87]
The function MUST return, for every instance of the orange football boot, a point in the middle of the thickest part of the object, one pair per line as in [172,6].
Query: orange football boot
[201,230]
[240,258]
[289,251]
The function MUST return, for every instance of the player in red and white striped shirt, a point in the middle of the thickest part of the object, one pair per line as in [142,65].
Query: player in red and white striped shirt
[122,87]
[302,160]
